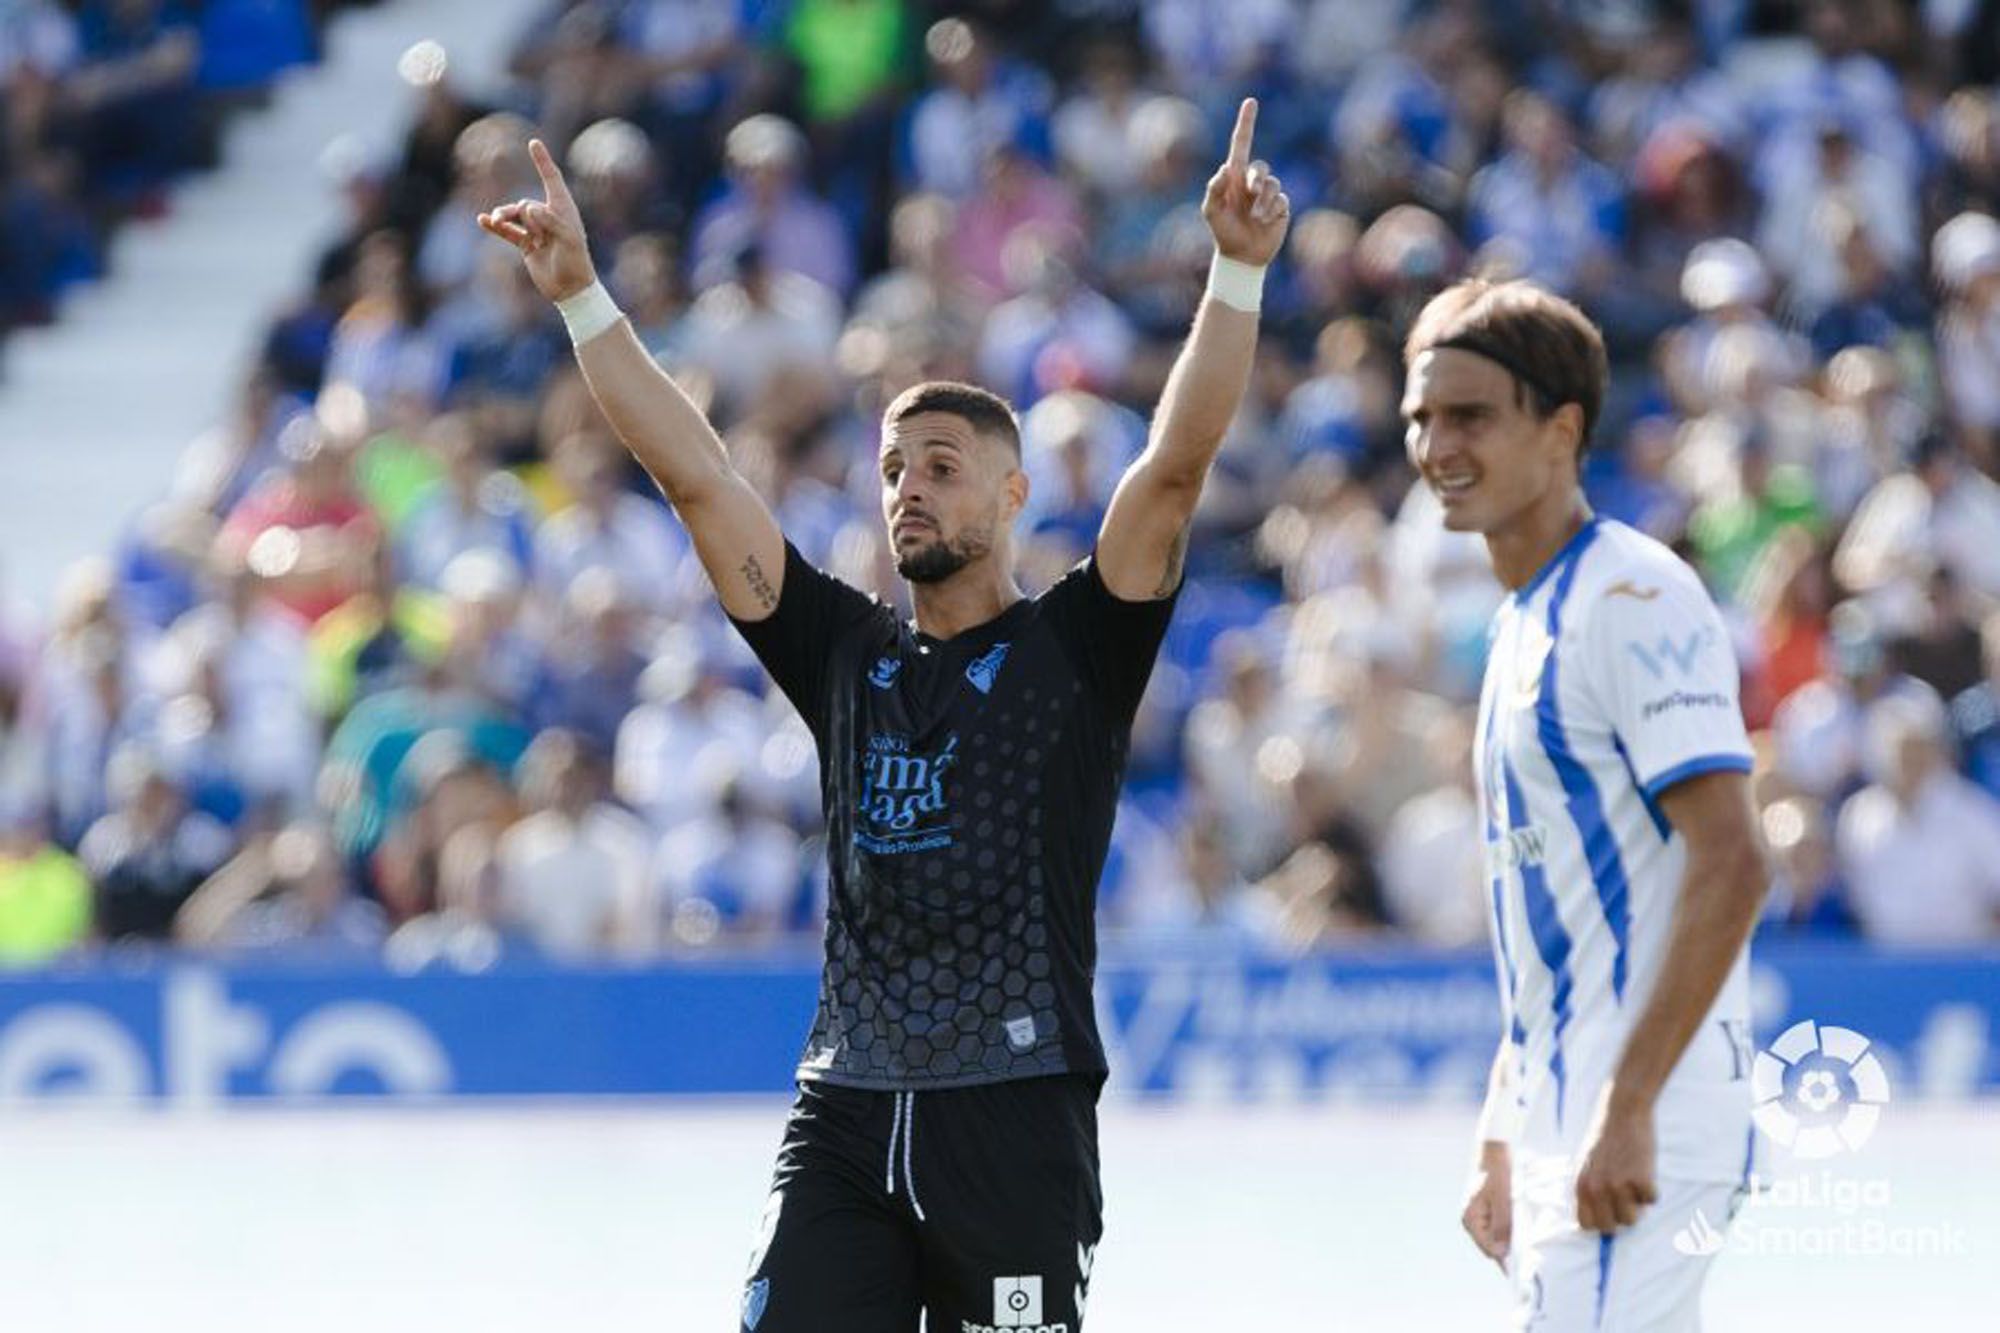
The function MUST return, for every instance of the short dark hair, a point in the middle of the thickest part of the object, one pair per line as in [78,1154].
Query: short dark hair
[986,412]
[1553,351]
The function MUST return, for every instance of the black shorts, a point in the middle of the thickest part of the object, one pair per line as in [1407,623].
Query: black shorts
[978,1207]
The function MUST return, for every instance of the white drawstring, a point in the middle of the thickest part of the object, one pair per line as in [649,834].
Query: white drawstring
[909,1136]
[895,1127]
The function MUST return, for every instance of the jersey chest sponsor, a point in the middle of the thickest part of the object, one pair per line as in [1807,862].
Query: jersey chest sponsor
[903,805]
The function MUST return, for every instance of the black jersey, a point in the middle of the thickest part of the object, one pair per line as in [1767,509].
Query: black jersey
[969,786]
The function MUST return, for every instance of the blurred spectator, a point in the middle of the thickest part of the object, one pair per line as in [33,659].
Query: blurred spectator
[1093,128]
[732,867]
[1058,333]
[595,661]
[1840,194]
[45,895]
[1920,846]
[442,789]
[1975,714]
[1820,729]
[573,870]
[762,321]
[980,101]
[1966,256]
[1545,211]
[149,853]
[240,667]
[769,208]
[302,529]
[609,528]
[1433,852]
[467,930]
[689,712]
[1014,194]
[286,894]
[476,507]
[1941,514]
[1806,895]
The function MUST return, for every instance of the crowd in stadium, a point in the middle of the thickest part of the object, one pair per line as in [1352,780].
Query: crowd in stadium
[411,659]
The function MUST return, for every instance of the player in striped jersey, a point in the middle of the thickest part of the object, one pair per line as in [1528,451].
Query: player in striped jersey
[1624,867]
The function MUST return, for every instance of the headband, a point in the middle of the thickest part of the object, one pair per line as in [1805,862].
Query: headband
[1467,342]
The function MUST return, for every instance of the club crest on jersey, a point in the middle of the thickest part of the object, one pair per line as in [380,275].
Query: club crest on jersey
[756,1297]
[985,667]
[902,805]
[1531,660]
[883,674]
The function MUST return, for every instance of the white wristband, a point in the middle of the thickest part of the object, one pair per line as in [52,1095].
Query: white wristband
[588,313]
[1238,285]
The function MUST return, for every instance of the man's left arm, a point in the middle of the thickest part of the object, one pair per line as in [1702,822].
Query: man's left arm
[1143,542]
[1721,894]
[1658,659]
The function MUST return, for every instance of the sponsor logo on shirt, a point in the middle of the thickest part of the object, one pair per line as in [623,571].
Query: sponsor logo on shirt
[1021,1032]
[883,674]
[1667,652]
[1627,588]
[1682,699]
[902,805]
[1526,846]
[985,667]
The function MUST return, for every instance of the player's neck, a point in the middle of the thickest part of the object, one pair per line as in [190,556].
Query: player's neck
[1524,547]
[968,599]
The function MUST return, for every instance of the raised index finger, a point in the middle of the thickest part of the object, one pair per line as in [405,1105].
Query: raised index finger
[1239,138]
[553,184]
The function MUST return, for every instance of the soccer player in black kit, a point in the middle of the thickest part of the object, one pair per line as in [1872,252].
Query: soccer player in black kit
[941,1158]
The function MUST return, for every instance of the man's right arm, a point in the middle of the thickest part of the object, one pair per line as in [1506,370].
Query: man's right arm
[1489,1205]
[734,533]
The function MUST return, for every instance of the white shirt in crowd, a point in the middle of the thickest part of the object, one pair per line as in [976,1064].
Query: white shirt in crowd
[576,887]
[1926,874]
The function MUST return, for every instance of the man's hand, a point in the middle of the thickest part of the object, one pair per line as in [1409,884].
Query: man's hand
[548,233]
[1617,1180]
[1246,208]
[1489,1205]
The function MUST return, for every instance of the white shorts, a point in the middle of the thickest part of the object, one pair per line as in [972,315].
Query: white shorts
[1638,1280]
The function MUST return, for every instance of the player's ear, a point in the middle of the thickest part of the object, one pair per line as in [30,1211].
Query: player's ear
[1568,423]
[1015,490]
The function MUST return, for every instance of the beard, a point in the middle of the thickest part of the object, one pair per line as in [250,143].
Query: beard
[939,560]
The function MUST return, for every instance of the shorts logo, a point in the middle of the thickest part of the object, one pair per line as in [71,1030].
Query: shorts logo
[1698,1238]
[1627,588]
[883,674]
[1818,1090]
[1021,1032]
[756,1297]
[1017,1302]
[984,668]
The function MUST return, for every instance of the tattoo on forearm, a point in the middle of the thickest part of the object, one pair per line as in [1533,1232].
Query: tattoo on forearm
[1176,560]
[760,586]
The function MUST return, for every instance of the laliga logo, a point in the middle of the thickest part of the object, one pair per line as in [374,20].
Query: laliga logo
[1818,1090]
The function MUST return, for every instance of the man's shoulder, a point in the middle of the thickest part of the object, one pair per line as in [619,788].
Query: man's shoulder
[1630,578]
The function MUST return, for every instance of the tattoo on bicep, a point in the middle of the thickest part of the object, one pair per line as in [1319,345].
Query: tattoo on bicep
[1176,561]
[760,586]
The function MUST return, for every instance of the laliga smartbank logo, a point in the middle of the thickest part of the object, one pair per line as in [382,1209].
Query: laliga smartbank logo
[1818,1090]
